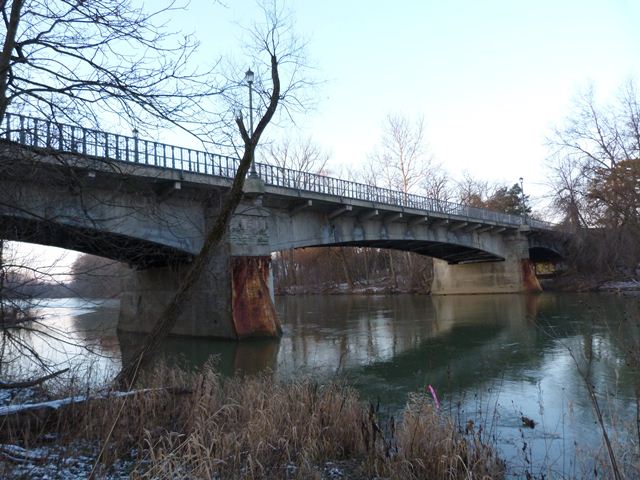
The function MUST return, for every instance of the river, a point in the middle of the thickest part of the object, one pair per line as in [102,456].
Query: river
[491,358]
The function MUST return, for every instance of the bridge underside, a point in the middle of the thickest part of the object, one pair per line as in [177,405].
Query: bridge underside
[544,255]
[136,252]
[449,252]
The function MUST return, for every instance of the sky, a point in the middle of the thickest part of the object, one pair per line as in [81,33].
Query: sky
[490,77]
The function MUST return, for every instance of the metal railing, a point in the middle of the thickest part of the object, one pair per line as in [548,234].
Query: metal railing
[41,133]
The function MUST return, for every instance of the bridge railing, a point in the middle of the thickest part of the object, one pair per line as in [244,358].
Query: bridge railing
[295,179]
[40,133]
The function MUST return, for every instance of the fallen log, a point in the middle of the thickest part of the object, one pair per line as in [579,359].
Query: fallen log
[31,383]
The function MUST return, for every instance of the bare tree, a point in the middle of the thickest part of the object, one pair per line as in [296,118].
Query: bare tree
[595,165]
[276,46]
[300,154]
[594,139]
[566,183]
[473,192]
[99,60]
[402,160]
[437,185]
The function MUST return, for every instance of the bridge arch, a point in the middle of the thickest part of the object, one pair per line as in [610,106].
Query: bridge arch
[452,242]
[450,252]
[540,254]
[137,252]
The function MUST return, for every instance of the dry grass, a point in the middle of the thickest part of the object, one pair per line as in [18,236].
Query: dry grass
[203,426]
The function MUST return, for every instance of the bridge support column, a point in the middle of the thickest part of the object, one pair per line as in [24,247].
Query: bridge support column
[514,275]
[232,300]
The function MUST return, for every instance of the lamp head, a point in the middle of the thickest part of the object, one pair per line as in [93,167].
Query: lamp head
[248,76]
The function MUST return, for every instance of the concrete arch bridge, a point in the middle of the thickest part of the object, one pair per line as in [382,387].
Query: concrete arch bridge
[151,204]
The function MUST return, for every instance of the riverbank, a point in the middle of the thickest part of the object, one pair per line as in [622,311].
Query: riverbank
[568,283]
[592,283]
[203,426]
[380,286]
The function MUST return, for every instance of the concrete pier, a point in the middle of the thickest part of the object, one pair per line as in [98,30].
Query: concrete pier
[232,301]
[515,274]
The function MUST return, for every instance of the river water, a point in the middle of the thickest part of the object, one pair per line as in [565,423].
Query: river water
[491,358]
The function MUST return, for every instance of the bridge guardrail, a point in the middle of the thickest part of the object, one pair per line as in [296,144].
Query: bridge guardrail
[34,132]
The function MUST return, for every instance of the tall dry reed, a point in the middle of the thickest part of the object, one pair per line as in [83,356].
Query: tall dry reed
[203,426]
[257,428]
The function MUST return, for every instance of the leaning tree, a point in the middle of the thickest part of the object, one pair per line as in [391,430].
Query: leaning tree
[282,85]
[113,61]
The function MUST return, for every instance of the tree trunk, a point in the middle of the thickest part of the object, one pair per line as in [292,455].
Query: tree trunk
[345,268]
[392,271]
[163,326]
[7,52]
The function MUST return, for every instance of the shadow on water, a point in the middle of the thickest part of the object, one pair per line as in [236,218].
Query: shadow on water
[471,343]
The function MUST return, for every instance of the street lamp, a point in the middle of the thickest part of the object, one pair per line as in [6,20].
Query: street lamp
[248,77]
[523,205]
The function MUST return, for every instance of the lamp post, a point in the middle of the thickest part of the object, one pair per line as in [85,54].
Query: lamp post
[135,144]
[249,76]
[523,205]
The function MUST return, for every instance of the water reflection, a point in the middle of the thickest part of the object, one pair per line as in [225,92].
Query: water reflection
[249,357]
[72,333]
[455,342]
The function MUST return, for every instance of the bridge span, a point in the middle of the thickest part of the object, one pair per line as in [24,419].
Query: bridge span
[150,204]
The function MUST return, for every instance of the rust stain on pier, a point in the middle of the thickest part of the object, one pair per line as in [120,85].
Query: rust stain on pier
[253,312]
[529,279]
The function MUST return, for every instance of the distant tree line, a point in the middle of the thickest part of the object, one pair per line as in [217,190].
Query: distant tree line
[91,277]
[349,269]
[97,277]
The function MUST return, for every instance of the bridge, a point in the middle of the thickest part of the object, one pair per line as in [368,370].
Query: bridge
[150,204]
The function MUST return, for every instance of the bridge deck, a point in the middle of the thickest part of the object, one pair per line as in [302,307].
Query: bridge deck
[61,138]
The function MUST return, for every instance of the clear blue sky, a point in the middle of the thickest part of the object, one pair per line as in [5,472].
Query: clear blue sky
[490,77]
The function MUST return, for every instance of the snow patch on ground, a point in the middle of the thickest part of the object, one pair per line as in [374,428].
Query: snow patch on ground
[56,463]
